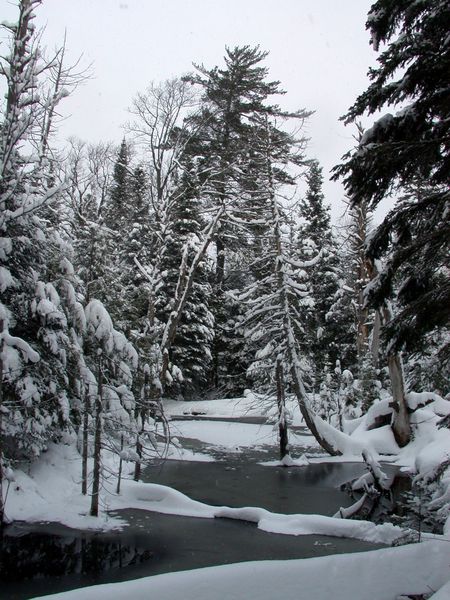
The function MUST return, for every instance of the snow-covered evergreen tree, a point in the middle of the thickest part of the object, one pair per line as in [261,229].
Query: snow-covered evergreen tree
[403,152]
[233,97]
[112,359]
[278,304]
[190,354]
[315,239]
[36,334]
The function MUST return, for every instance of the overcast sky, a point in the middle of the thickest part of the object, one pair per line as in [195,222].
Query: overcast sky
[319,50]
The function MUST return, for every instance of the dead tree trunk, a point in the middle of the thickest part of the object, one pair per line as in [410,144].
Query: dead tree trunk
[401,425]
[183,291]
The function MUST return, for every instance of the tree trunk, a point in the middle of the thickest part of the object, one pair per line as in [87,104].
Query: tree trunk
[119,475]
[137,464]
[220,264]
[282,422]
[400,419]
[375,346]
[401,425]
[146,397]
[97,442]
[84,455]
[306,413]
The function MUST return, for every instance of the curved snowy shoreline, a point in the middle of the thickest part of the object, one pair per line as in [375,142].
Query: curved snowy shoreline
[381,574]
[162,499]
[53,486]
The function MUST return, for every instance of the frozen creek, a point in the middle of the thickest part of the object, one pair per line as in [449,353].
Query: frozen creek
[45,558]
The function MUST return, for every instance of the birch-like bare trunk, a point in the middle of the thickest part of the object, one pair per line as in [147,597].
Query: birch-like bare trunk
[401,426]
[187,278]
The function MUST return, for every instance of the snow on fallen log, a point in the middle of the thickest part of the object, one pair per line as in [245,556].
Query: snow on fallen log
[162,499]
[347,513]
[314,525]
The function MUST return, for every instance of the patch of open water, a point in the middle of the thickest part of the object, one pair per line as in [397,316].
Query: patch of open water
[46,558]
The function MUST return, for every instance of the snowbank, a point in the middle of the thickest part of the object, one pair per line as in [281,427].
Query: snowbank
[314,525]
[380,574]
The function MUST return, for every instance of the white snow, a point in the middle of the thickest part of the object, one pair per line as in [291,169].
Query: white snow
[376,575]
[235,437]
[53,485]
[6,279]
[51,491]
[443,593]
[433,401]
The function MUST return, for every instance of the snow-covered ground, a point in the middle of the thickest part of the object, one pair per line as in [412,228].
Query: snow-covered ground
[235,437]
[51,491]
[249,405]
[377,575]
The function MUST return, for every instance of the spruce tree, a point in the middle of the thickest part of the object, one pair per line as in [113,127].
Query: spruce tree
[190,353]
[405,152]
[127,219]
[278,304]
[316,243]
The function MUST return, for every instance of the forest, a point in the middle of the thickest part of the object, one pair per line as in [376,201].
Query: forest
[198,261]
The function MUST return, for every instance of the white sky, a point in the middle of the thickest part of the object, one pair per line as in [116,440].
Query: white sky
[319,50]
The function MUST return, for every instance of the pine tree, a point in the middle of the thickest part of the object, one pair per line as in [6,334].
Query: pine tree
[127,219]
[315,239]
[233,97]
[113,360]
[120,190]
[278,303]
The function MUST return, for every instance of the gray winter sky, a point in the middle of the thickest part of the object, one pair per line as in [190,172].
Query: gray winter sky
[319,50]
